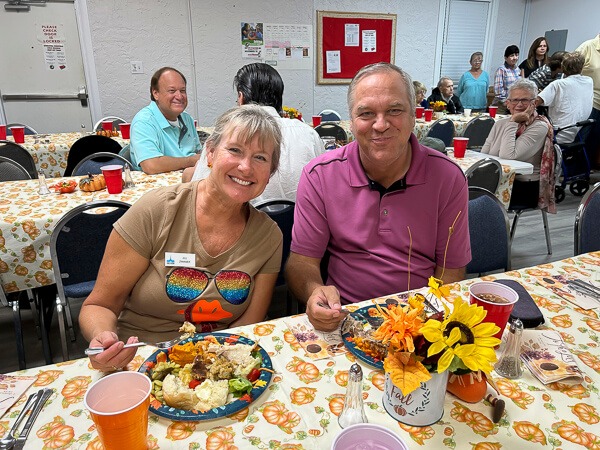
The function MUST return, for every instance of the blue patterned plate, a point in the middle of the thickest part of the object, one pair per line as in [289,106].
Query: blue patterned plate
[351,346]
[163,410]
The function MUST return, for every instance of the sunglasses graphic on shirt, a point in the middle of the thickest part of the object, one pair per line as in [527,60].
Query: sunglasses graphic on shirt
[185,284]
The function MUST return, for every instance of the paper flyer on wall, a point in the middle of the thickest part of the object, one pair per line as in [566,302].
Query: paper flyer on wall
[288,46]
[252,40]
[52,38]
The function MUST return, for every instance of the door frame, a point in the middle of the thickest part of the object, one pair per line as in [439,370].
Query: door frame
[87,56]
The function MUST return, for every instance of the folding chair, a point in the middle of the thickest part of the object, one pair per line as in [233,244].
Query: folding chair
[486,173]
[587,234]
[19,154]
[93,163]
[442,129]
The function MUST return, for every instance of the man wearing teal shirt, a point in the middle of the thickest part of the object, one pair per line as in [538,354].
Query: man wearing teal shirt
[163,136]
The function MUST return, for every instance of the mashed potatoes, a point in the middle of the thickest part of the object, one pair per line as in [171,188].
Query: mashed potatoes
[210,394]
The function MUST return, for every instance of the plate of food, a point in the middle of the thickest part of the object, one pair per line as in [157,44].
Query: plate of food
[207,376]
[357,336]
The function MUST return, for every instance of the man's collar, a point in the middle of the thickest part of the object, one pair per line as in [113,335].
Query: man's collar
[158,115]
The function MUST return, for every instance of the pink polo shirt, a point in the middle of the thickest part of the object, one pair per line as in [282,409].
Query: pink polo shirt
[368,239]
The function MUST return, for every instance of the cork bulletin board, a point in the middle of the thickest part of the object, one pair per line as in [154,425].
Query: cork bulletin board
[348,41]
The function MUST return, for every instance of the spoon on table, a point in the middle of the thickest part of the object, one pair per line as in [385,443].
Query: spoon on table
[10,439]
[162,345]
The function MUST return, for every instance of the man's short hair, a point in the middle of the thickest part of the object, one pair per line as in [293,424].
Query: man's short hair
[261,84]
[419,87]
[156,77]
[526,85]
[573,63]
[247,120]
[381,68]
[556,60]
[442,81]
[511,50]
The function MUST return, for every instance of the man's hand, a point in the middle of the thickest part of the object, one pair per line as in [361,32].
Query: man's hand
[325,319]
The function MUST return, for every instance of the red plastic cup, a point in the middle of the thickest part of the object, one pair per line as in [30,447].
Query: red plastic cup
[428,114]
[124,127]
[493,110]
[419,112]
[460,146]
[107,125]
[497,313]
[195,123]
[316,121]
[114,178]
[118,405]
[19,134]
[3,132]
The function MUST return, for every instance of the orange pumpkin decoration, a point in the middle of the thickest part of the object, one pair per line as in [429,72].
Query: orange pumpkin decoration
[74,390]
[530,432]
[275,413]
[523,400]
[303,395]
[563,321]
[336,403]
[572,390]
[264,329]
[572,432]
[586,413]
[92,183]
[45,430]
[590,360]
[240,416]
[308,372]
[248,429]
[458,412]
[95,444]
[508,388]
[180,430]
[448,431]
[314,432]
[467,387]
[47,377]
[419,434]
[291,420]
[59,437]
[378,379]
[341,377]
[220,439]
[479,423]
[292,366]
[486,446]
[593,324]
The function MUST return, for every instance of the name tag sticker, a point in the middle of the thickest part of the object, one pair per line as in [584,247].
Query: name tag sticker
[180,259]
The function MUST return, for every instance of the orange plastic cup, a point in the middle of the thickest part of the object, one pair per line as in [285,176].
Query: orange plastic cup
[18,134]
[107,125]
[124,127]
[419,112]
[493,110]
[113,175]
[428,114]
[118,404]
[460,146]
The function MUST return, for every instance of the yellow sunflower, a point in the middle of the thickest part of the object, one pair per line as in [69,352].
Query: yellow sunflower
[463,335]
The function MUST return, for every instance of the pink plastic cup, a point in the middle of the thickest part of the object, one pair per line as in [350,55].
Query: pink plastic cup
[368,435]
[316,121]
[497,313]
[124,127]
[19,134]
[460,146]
[118,405]
[419,112]
[493,110]
[3,132]
[107,125]
[428,114]
[113,175]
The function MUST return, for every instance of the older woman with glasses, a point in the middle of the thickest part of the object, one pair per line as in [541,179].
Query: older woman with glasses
[195,251]
[525,136]
[474,84]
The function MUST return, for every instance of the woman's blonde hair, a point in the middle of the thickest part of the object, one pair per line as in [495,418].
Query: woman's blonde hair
[247,121]
[419,87]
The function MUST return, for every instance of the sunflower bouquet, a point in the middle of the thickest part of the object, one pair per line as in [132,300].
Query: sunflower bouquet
[292,113]
[438,106]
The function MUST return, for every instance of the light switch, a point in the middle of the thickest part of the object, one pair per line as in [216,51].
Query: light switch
[137,67]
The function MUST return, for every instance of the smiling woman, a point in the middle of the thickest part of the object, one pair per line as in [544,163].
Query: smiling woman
[219,256]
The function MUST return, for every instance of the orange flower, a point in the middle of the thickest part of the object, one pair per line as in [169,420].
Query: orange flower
[399,328]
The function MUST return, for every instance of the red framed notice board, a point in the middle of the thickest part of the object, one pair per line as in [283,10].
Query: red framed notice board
[348,41]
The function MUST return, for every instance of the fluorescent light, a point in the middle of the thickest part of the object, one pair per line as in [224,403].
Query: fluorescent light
[17,7]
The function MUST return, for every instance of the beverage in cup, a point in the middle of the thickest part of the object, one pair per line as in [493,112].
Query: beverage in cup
[124,127]
[467,112]
[118,405]
[428,114]
[316,121]
[19,134]
[493,110]
[2,132]
[113,177]
[107,125]
[419,112]
[368,436]
[497,299]
[460,146]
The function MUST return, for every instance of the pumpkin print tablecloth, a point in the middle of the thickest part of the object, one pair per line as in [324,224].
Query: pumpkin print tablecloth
[27,220]
[300,407]
[50,151]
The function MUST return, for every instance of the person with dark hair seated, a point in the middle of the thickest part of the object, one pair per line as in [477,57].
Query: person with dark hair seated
[261,84]
[550,72]
[506,75]
[526,136]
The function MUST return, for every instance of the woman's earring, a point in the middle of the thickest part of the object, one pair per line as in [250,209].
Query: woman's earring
[209,165]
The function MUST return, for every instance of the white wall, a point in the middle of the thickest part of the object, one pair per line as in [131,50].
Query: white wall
[581,18]
[158,34]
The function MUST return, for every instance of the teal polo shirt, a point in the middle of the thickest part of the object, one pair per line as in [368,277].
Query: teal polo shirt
[152,136]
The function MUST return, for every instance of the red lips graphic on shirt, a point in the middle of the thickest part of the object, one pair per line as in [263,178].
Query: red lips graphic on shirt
[205,311]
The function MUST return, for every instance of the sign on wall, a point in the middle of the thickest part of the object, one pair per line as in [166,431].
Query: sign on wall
[289,46]
[252,40]
[52,38]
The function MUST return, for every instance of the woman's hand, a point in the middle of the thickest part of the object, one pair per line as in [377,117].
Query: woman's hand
[114,357]
[524,116]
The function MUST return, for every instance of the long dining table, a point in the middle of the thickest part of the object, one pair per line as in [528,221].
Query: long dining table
[28,218]
[300,407]
[50,151]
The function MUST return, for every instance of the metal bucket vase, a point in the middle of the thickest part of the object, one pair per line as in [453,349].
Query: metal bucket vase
[422,407]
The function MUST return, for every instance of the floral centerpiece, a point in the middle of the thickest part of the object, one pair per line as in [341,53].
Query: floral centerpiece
[438,106]
[292,113]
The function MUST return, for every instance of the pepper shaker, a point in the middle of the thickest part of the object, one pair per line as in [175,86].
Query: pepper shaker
[43,190]
[83,133]
[353,411]
[509,364]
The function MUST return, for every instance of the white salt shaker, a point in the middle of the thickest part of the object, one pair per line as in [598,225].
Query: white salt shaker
[353,411]
[43,190]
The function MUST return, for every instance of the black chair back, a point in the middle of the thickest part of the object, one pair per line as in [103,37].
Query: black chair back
[89,145]
[442,129]
[19,154]
[477,130]
[12,171]
[486,173]
[93,164]
[333,130]
[587,234]
[330,115]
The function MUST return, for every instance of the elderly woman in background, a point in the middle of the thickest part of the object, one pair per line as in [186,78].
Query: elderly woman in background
[196,251]
[506,75]
[525,136]
[537,57]
[420,91]
[474,84]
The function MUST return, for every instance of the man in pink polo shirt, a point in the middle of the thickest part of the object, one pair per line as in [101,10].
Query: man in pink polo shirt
[358,203]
